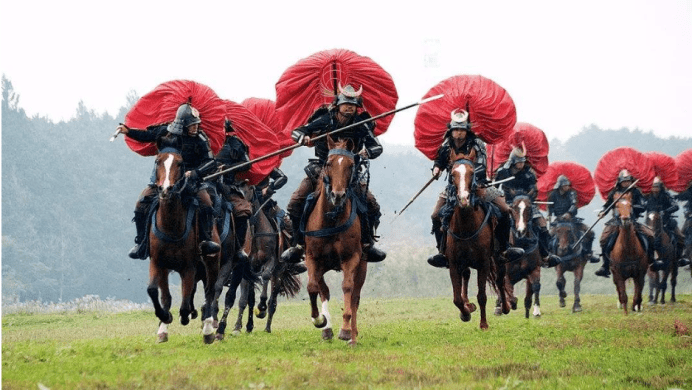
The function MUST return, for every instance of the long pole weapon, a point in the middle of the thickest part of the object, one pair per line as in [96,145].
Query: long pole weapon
[605,212]
[248,163]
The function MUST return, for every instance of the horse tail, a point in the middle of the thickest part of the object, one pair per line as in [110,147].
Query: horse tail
[289,283]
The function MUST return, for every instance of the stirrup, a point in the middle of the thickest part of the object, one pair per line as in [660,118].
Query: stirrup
[208,247]
[438,260]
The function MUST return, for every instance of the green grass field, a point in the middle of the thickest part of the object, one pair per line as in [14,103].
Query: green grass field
[404,344]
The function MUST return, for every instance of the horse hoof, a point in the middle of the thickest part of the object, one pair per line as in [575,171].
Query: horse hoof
[471,307]
[327,334]
[561,303]
[260,314]
[577,308]
[268,330]
[169,320]
[352,343]
[184,320]
[483,326]
[193,314]
[236,333]
[498,311]
[345,335]
[209,338]
[163,337]
[465,318]
[219,337]
[215,323]
[320,321]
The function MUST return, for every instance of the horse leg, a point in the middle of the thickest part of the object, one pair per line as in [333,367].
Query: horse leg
[159,281]
[359,279]
[639,283]
[229,299]
[242,303]
[674,275]
[535,278]
[459,291]
[316,285]
[500,278]
[481,298]
[578,273]
[466,274]
[272,305]
[560,284]
[622,295]
[261,310]
[349,270]
[663,286]
[211,307]
[187,277]
[653,285]
[251,304]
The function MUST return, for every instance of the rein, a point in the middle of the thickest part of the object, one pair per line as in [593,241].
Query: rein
[188,224]
[478,231]
[472,186]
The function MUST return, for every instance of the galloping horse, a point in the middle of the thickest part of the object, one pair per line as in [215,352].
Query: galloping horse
[628,256]
[333,240]
[573,260]
[529,266]
[173,245]
[265,244]
[470,242]
[666,251]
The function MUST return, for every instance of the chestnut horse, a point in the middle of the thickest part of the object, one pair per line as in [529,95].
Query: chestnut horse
[529,266]
[265,243]
[628,256]
[470,242]
[666,251]
[173,245]
[333,240]
[566,234]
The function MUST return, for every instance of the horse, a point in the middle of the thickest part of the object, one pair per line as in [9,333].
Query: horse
[470,242]
[666,251]
[333,240]
[173,245]
[628,256]
[529,266]
[566,234]
[265,243]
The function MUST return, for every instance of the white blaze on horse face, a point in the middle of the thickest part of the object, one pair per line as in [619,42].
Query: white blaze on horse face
[462,192]
[340,160]
[521,225]
[167,165]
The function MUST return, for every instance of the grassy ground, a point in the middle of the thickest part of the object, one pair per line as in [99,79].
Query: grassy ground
[404,344]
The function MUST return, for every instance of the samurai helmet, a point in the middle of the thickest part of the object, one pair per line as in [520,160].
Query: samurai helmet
[624,175]
[459,120]
[561,181]
[518,155]
[185,116]
[658,182]
[349,95]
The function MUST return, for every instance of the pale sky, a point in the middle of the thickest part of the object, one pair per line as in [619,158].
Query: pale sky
[566,64]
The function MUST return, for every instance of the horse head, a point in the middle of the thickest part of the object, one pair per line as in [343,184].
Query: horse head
[462,176]
[654,221]
[624,209]
[564,230]
[339,170]
[169,164]
[521,210]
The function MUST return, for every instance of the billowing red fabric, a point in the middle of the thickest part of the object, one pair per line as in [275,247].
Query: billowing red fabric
[665,168]
[265,110]
[491,111]
[609,166]
[579,176]
[683,167]
[260,139]
[312,82]
[161,104]
[534,140]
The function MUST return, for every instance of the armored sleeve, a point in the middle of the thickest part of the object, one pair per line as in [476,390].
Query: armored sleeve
[148,135]
[372,145]
[552,201]
[207,162]
[442,160]
[314,127]
[573,202]
[480,162]
[638,207]
[279,179]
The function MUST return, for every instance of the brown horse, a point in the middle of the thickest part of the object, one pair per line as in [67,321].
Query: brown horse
[333,241]
[173,246]
[265,243]
[470,243]
[666,251]
[566,234]
[529,266]
[628,256]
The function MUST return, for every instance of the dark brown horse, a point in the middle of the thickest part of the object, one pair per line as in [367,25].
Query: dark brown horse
[265,243]
[333,241]
[628,256]
[566,234]
[666,252]
[173,246]
[529,266]
[470,243]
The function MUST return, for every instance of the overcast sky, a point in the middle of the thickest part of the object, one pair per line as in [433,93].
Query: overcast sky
[566,64]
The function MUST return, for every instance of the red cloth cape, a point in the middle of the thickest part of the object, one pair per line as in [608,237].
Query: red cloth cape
[609,166]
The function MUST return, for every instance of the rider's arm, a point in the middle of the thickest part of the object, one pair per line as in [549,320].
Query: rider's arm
[279,179]
[442,158]
[573,203]
[148,135]
[480,162]
[312,128]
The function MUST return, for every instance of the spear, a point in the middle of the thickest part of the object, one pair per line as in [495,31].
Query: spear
[605,212]
[248,163]
[417,194]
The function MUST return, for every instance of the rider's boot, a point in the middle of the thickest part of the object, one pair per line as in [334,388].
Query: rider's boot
[140,220]
[439,259]
[241,228]
[207,246]
[502,234]
[655,264]
[587,249]
[294,254]
[604,270]
[373,254]
[550,260]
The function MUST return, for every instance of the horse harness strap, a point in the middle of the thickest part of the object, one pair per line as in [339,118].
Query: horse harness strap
[227,222]
[166,238]
[478,231]
[335,230]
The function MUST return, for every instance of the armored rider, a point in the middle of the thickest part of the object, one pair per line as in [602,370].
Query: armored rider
[264,191]
[341,113]
[659,200]
[461,139]
[198,161]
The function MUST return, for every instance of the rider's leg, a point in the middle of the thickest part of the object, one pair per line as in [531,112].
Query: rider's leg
[439,259]
[502,233]
[648,234]
[241,212]
[206,217]
[544,238]
[295,209]
[374,254]
[144,202]
[610,230]
[587,243]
